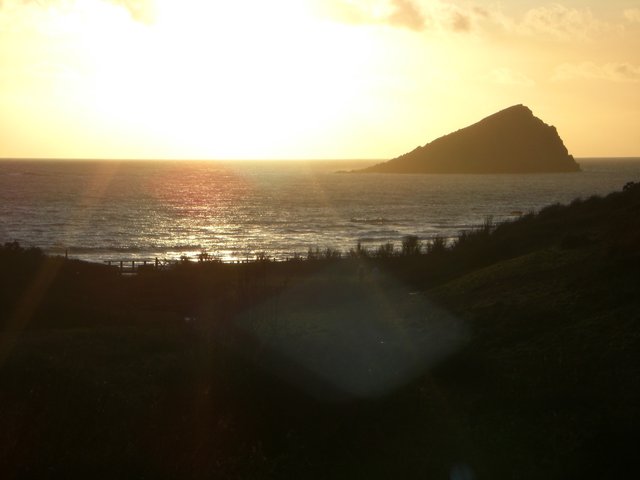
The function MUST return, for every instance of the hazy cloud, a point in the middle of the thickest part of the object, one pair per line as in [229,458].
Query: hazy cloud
[460,22]
[463,17]
[397,13]
[140,10]
[555,21]
[562,22]
[406,14]
[614,72]
[632,15]
[507,76]
[480,11]
[416,15]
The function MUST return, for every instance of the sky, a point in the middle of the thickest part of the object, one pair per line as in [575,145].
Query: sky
[309,78]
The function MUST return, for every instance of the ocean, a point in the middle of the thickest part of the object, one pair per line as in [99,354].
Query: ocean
[124,210]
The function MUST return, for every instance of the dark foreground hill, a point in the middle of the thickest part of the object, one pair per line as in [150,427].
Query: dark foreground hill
[510,141]
[511,354]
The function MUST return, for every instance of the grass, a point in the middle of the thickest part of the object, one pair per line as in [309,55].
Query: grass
[509,354]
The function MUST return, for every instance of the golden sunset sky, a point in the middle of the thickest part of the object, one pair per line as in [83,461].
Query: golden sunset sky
[309,78]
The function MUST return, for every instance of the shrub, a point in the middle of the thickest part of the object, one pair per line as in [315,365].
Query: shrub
[411,245]
[332,253]
[437,244]
[386,250]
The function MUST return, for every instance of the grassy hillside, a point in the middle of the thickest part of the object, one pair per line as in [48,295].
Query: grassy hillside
[510,354]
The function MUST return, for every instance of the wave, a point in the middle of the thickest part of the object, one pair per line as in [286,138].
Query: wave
[127,249]
[371,221]
[26,174]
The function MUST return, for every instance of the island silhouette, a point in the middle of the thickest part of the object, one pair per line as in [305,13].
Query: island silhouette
[512,140]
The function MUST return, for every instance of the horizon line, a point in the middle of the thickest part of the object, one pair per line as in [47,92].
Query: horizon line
[269,159]
[178,159]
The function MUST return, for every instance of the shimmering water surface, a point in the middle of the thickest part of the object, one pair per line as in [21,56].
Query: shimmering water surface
[112,210]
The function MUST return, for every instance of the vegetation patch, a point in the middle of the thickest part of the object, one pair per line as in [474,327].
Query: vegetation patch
[506,353]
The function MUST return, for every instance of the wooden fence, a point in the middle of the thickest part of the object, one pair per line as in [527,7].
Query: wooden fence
[132,266]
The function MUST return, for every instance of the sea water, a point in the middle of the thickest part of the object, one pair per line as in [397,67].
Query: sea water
[124,210]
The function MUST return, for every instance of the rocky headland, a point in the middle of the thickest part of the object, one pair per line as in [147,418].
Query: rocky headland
[510,141]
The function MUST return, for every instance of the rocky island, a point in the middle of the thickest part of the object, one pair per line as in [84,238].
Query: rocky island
[510,141]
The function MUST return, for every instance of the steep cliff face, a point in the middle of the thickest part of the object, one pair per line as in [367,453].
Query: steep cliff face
[510,141]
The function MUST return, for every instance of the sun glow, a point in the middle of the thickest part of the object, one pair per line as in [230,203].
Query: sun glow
[305,78]
[211,81]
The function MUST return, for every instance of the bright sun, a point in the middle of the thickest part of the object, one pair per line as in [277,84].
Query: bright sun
[210,80]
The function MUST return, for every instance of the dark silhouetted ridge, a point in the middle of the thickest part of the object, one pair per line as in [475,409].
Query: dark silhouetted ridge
[510,141]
